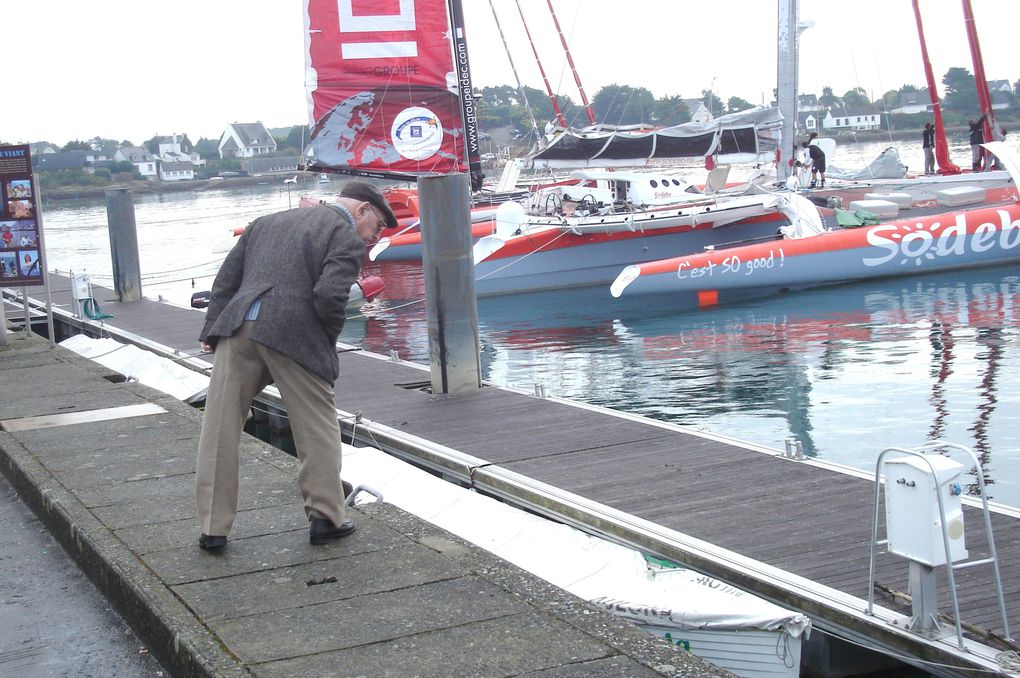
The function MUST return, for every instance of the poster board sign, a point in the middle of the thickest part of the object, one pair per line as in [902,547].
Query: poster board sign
[21,252]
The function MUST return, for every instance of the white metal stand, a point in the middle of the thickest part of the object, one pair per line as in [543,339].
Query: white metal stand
[922,576]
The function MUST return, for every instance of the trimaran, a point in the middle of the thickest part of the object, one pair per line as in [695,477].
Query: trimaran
[585,230]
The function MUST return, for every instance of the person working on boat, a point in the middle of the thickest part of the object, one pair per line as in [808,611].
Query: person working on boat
[276,309]
[928,144]
[977,137]
[817,163]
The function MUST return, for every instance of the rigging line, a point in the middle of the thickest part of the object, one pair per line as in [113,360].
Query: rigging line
[885,104]
[163,275]
[191,278]
[516,261]
[228,216]
[513,67]
[188,268]
[357,419]
[387,308]
[548,89]
[170,281]
[857,79]
[573,69]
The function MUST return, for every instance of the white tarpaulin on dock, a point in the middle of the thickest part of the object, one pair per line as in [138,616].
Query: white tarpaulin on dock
[140,365]
[693,608]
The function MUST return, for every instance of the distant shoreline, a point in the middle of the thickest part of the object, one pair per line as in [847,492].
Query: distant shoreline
[64,193]
[157,187]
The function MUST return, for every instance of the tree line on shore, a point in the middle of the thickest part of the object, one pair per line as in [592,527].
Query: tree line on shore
[508,107]
[504,106]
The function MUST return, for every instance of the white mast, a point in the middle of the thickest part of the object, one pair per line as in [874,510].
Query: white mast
[787,83]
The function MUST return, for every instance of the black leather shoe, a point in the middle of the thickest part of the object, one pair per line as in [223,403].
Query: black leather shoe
[207,543]
[323,531]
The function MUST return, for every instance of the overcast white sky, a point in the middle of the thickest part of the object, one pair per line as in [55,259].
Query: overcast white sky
[130,69]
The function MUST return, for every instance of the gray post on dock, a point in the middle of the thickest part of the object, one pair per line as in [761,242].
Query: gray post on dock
[448,265]
[120,215]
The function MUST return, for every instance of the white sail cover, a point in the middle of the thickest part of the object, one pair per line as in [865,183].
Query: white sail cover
[886,166]
[735,137]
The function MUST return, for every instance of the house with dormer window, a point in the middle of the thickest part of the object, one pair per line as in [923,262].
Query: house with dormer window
[178,148]
[246,140]
[807,121]
[144,161]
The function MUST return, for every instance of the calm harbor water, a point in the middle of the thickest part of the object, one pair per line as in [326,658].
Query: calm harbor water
[849,370]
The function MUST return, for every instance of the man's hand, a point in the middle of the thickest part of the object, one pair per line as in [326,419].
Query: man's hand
[207,348]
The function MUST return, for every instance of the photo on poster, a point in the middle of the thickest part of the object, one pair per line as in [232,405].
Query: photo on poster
[18,188]
[20,209]
[8,264]
[24,233]
[8,239]
[28,260]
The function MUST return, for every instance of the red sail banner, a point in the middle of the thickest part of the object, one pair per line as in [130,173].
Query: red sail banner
[384,93]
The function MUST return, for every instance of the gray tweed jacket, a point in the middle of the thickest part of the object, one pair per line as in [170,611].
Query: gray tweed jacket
[302,264]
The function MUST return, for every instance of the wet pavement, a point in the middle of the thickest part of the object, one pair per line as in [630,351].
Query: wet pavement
[54,621]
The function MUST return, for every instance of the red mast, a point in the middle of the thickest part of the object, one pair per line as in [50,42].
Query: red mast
[992,132]
[573,69]
[548,89]
[946,166]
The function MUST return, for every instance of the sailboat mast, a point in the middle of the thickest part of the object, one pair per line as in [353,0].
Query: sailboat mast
[548,89]
[786,86]
[513,67]
[992,131]
[573,69]
[946,166]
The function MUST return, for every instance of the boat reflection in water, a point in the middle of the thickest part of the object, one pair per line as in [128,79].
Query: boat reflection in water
[848,370]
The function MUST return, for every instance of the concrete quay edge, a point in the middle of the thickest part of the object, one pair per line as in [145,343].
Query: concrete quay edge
[187,645]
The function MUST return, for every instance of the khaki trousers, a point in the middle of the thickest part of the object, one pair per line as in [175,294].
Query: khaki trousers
[241,369]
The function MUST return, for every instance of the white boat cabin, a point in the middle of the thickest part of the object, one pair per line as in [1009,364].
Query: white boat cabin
[597,190]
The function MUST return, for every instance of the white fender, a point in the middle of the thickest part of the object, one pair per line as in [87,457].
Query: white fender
[510,217]
[384,243]
[626,277]
[378,248]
